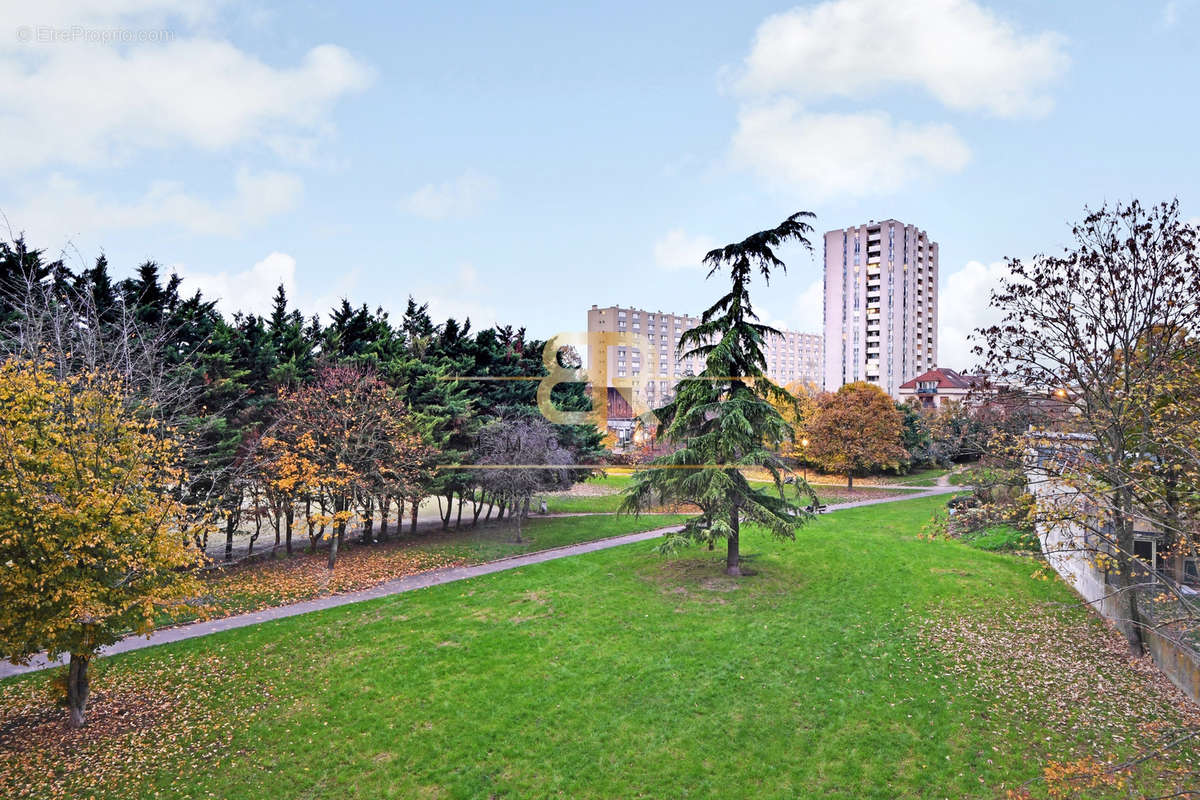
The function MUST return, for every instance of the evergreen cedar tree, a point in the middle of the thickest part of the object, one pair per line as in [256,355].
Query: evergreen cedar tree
[856,430]
[722,421]
[93,542]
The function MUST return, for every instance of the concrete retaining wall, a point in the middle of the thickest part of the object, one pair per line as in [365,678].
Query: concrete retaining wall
[1061,545]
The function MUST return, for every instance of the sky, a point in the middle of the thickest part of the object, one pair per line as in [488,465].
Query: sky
[516,163]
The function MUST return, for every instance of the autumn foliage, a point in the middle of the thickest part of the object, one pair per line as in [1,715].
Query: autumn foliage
[856,430]
[343,444]
[93,542]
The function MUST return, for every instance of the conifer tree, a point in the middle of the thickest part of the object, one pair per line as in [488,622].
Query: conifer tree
[722,421]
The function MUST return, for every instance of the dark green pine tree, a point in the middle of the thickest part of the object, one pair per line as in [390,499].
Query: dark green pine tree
[19,267]
[145,296]
[424,370]
[96,286]
[722,421]
[294,358]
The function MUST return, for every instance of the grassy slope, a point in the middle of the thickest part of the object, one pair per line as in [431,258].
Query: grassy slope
[619,674]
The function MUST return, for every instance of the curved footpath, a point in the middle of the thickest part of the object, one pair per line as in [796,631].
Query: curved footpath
[406,583]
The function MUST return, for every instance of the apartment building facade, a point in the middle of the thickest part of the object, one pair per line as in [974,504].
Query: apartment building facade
[881,307]
[650,368]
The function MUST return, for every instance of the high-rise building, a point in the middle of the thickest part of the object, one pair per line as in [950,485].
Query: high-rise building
[881,284]
[652,370]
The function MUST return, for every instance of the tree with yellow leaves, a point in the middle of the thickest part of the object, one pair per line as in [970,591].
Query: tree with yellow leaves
[797,410]
[93,542]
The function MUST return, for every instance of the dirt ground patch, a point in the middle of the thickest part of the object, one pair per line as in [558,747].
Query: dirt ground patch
[585,489]
[702,579]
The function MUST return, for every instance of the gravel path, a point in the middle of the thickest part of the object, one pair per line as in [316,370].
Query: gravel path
[407,583]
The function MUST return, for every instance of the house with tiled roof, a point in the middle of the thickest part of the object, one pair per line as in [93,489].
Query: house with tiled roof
[940,385]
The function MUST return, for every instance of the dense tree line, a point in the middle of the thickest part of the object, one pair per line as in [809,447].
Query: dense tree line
[243,391]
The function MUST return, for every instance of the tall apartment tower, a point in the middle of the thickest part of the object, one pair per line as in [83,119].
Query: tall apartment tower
[881,283]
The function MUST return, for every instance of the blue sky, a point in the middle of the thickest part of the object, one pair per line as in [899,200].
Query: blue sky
[519,164]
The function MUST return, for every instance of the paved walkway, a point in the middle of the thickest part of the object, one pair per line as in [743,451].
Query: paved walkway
[408,583]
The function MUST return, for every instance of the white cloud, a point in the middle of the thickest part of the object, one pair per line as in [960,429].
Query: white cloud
[828,154]
[94,103]
[804,315]
[964,55]
[808,310]
[63,209]
[464,297]
[963,307]
[250,290]
[680,250]
[460,197]
[253,290]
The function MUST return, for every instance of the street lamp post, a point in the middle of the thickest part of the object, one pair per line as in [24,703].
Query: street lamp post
[804,457]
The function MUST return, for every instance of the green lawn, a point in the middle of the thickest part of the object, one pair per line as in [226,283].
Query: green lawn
[497,541]
[827,673]
[609,503]
[921,477]
[256,585]
[1002,538]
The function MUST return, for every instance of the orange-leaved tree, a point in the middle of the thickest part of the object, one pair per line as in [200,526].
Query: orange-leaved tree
[93,540]
[856,430]
[288,475]
[348,440]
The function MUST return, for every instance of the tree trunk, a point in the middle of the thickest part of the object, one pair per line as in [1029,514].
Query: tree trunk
[477,508]
[312,543]
[412,520]
[230,526]
[449,509]
[385,505]
[1176,539]
[850,481]
[287,530]
[368,531]
[733,559]
[461,499]
[1129,617]
[516,512]
[257,529]
[339,530]
[77,689]
[333,548]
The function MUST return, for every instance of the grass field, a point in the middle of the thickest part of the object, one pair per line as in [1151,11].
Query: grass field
[857,662]
[612,485]
[920,477]
[256,585]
